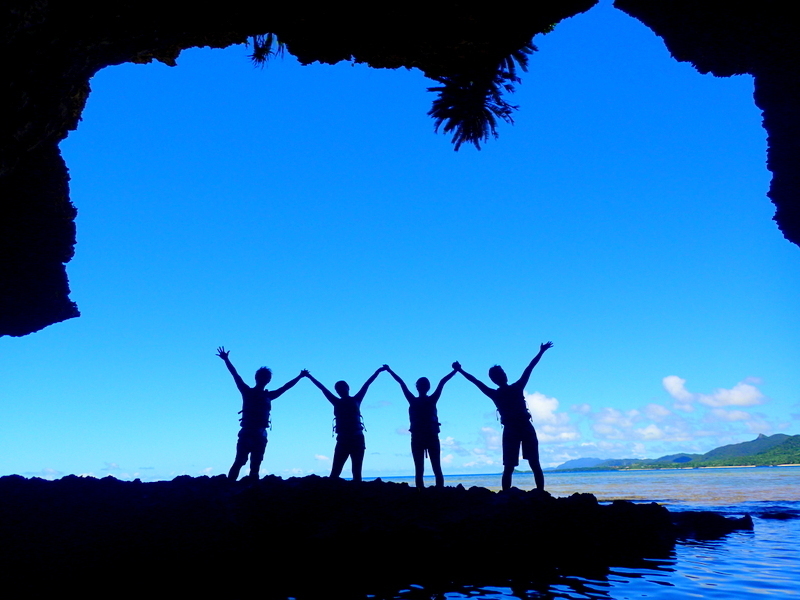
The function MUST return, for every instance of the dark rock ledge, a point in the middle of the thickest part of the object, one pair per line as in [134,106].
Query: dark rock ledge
[307,536]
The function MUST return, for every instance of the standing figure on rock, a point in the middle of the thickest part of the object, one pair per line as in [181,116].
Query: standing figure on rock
[424,425]
[349,425]
[256,405]
[517,427]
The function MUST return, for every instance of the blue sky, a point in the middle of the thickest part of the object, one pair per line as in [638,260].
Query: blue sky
[308,217]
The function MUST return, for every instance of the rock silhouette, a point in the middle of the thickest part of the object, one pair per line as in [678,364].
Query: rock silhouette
[202,534]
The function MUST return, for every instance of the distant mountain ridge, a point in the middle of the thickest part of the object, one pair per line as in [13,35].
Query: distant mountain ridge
[761,444]
[777,449]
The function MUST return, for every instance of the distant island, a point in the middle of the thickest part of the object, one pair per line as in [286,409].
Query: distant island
[764,451]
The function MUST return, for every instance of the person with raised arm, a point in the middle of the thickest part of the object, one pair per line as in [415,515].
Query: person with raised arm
[424,425]
[349,425]
[514,416]
[256,406]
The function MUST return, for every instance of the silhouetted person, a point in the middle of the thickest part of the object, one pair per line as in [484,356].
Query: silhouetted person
[424,425]
[517,427]
[349,426]
[256,405]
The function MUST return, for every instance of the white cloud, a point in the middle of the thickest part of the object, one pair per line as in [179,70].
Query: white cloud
[742,394]
[551,425]
[46,473]
[656,412]
[541,407]
[206,471]
[453,445]
[402,431]
[722,414]
[614,424]
[607,431]
[321,457]
[481,460]
[759,424]
[675,386]
[447,459]
[653,422]
[651,432]
[492,439]
[582,409]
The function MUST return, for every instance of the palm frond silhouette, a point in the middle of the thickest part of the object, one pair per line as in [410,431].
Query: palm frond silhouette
[469,105]
[265,46]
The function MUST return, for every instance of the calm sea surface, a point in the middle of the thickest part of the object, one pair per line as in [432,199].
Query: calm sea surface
[763,563]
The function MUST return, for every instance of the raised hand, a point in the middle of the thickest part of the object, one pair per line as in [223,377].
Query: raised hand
[545,346]
[456,366]
[222,353]
[304,373]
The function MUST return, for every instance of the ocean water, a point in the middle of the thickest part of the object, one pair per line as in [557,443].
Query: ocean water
[763,563]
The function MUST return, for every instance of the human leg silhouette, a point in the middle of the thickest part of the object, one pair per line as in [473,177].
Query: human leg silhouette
[256,456]
[356,461]
[340,454]
[252,443]
[538,475]
[435,453]
[418,454]
[238,463]
[508,471]
[530,451]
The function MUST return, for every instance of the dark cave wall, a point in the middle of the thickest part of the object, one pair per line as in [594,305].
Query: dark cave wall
[726,38]
[52,50]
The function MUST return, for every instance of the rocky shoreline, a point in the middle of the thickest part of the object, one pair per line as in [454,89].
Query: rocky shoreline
[303,536]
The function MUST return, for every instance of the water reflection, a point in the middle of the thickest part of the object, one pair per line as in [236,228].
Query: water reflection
[746,565]
[594,584]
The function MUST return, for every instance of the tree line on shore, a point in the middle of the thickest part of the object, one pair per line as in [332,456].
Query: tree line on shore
[764,451]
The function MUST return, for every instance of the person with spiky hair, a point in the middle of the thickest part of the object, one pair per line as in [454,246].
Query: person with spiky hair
[349,425]
[256,406]
[514,415]
[424,425]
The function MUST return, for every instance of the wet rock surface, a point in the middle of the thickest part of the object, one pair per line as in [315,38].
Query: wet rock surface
[305,536]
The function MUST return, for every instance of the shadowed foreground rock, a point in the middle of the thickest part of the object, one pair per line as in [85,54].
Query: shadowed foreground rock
[309,536]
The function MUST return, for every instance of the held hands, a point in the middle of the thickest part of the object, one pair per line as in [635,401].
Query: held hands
[222,353]
[545,346]
[456,366]
[304,373]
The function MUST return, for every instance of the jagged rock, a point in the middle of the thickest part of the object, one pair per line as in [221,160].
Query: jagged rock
[350,536]
[698,525]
